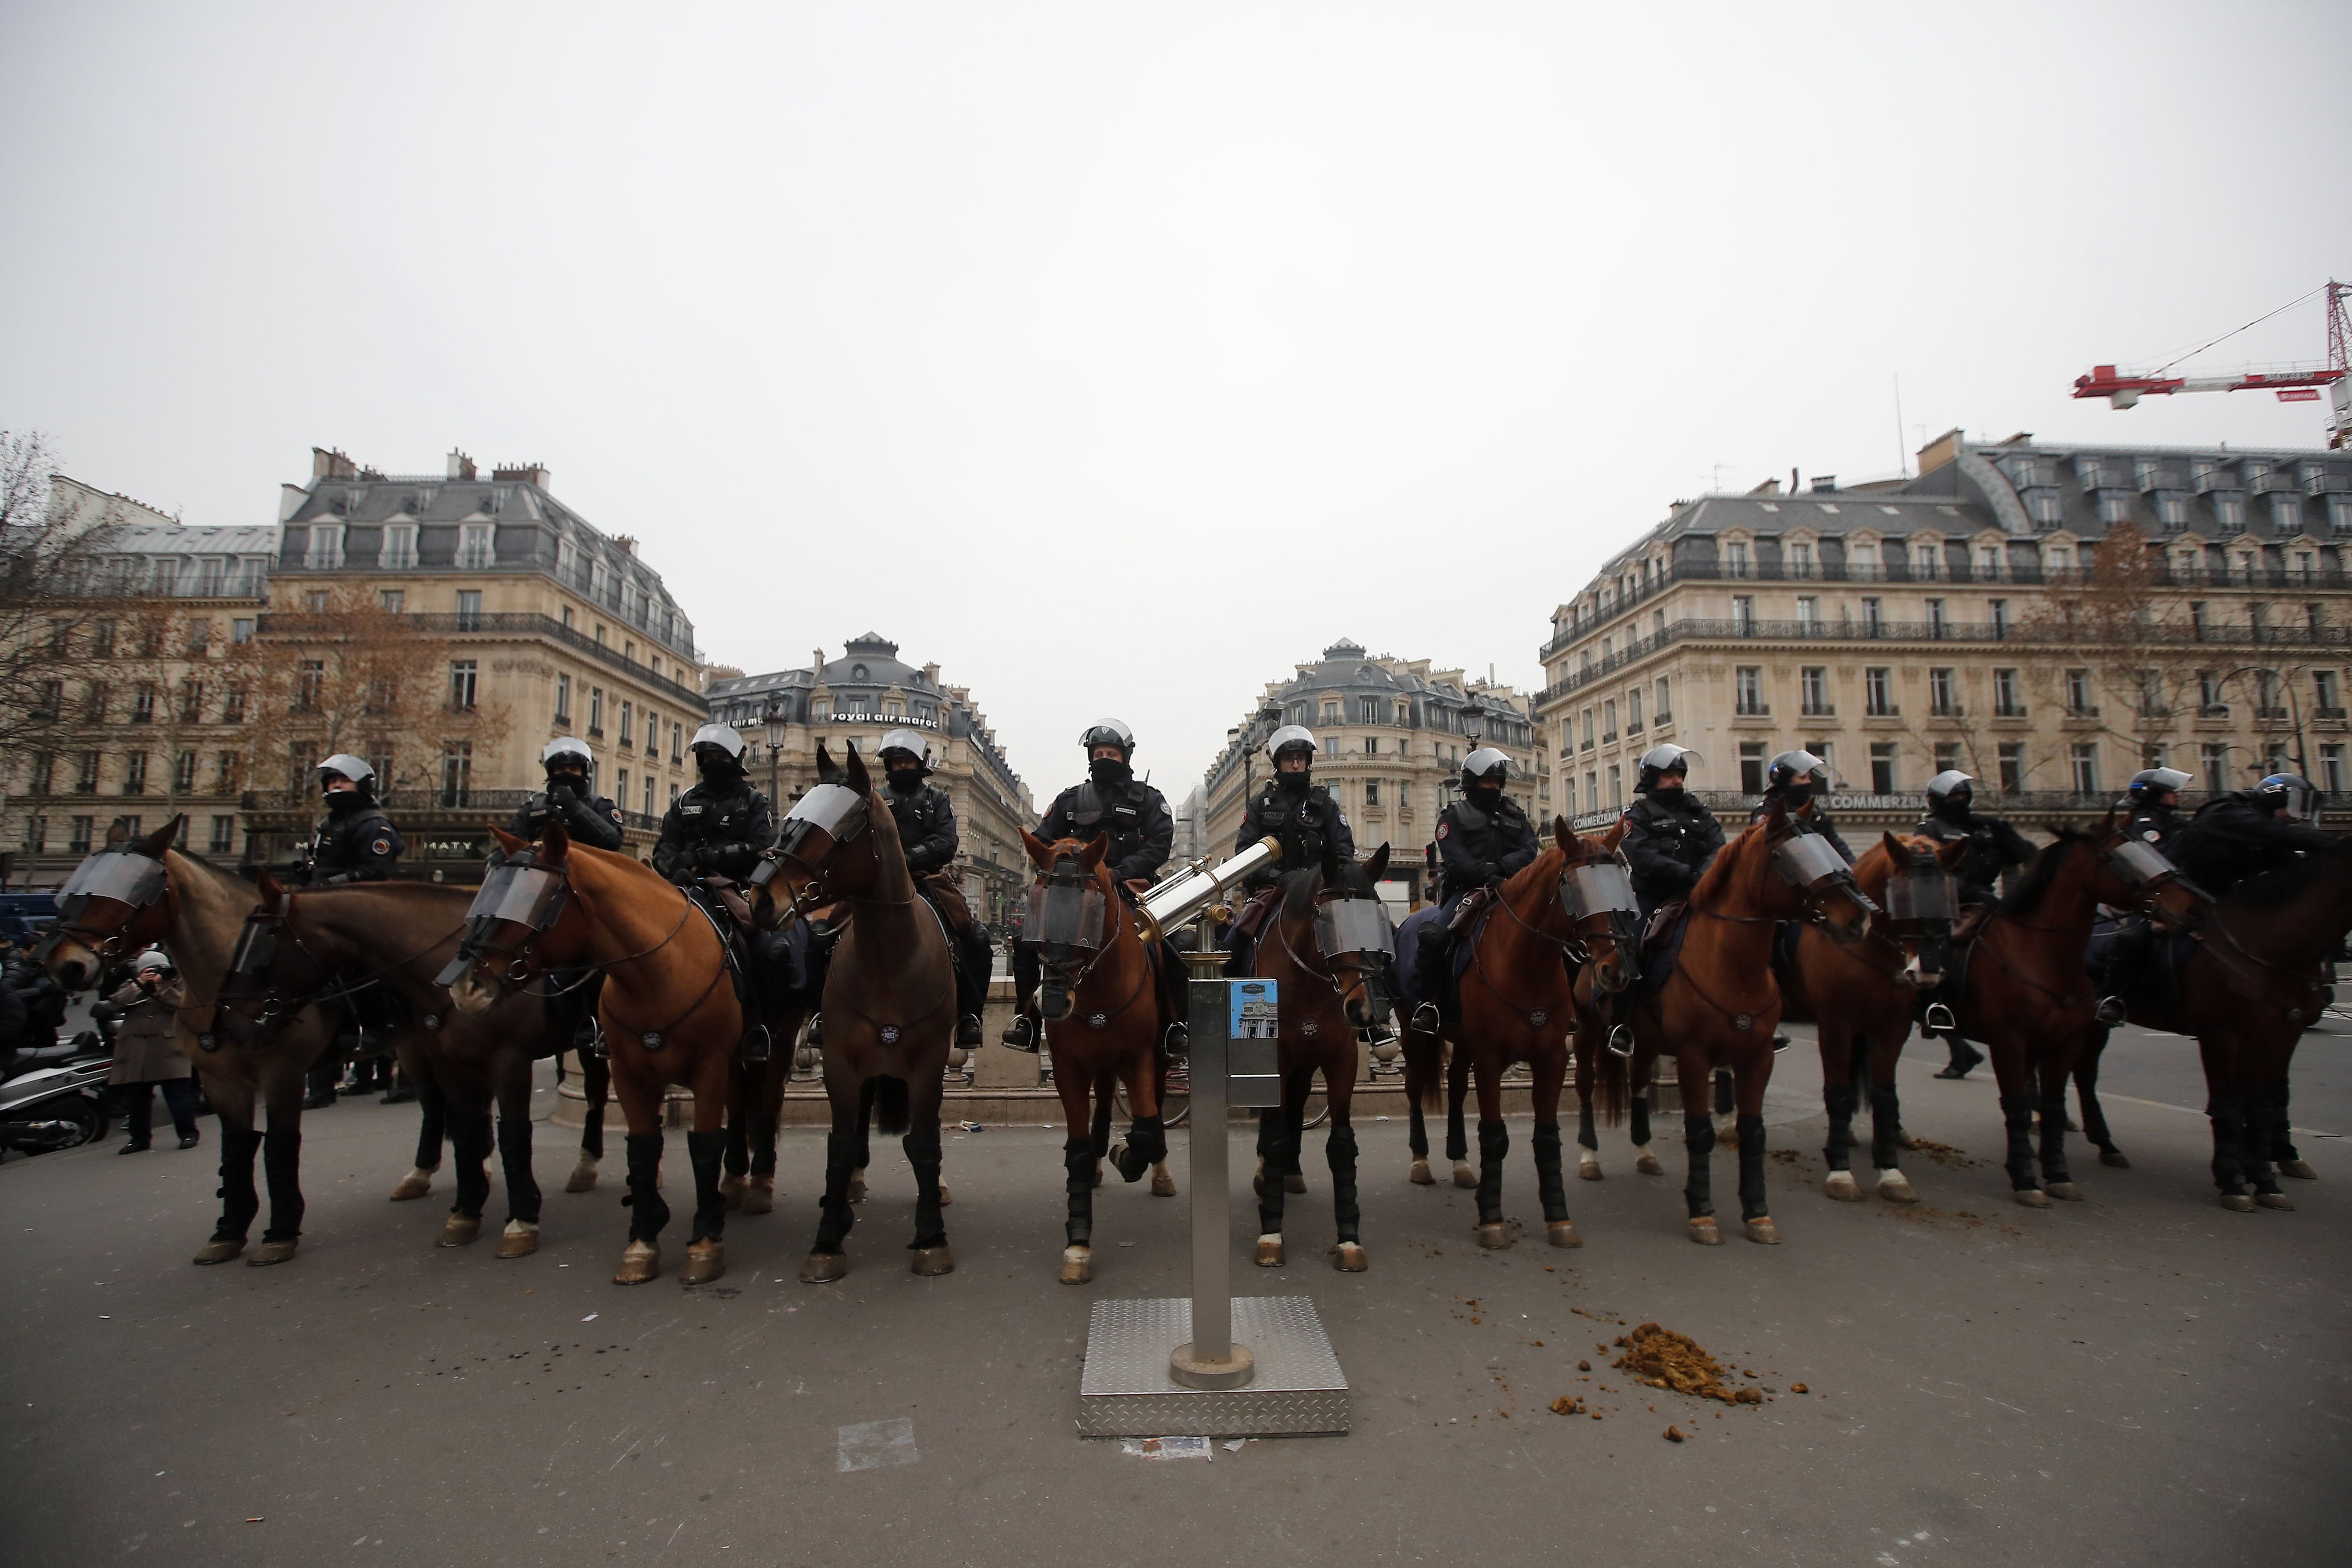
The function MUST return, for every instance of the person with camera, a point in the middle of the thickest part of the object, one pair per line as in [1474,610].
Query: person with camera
[147,1052]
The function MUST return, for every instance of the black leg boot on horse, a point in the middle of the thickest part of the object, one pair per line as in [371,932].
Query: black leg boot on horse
[521,1236]
[281,1165]
[240,1203]
[1347,1254]
[1493,1143]
[1552,1186]
[648,1212]
[596,1084]
[706,1249]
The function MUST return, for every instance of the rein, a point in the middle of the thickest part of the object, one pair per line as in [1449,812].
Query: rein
[718,974]
[1327,974]
[1536,1016]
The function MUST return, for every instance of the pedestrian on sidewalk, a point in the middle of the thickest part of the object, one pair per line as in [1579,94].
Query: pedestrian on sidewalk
[147,1053]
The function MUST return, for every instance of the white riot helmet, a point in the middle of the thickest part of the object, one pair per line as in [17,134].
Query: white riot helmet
[720,737]
[907,742]
[2156,781]
[356,769]
[1943,787]
[1791,766]
[1486,762]
[154,958]
[1666,757]
[564,746]
[1291,738]
[1109,732]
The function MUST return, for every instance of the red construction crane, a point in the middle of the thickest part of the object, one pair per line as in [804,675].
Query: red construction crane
[2293,383]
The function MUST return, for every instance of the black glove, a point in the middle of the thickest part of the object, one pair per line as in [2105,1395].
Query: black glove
[561,791]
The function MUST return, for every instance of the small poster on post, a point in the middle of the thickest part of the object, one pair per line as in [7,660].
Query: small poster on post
[1254,1015]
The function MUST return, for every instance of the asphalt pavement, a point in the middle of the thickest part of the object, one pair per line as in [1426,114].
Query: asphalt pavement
[2142,1377]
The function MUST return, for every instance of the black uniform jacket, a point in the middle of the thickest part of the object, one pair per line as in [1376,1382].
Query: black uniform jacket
[927,827]
[2157,825]
[1994,846]
[1670,838]
[715,831]
[592,820]
[2232,838]
[1305,824]
[1477,846]
[356,846]
[1135,814]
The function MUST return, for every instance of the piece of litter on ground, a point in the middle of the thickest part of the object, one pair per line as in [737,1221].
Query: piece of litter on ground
[972,1126]
[877,1445]
[1379,1119]
[1236,1446]
[1169,1447]
[592,1317]
[1127,1244]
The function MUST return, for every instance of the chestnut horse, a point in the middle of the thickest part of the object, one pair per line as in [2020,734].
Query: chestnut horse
[2260,973]
[300,947]
[1720,1005]
[889,997]
[1862,997]
[140,891]
[1321,999]
[1565,918]
[670,1012]
[1103,1018]
[2023,991]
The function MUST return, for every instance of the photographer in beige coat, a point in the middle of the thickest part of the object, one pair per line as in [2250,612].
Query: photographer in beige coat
[147,1053]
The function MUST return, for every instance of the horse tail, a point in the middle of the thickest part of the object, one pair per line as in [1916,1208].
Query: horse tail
[891,1110]
[1423,1075]
[1616,1085]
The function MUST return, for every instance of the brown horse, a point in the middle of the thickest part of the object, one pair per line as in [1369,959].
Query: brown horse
[1720,1006]
[889,997]
[1862,997]
[2022,990]
[138,891]
[668,1011]
[1563,921]
[322,944]
[1100,1002]
[1327,987]
[2257,976]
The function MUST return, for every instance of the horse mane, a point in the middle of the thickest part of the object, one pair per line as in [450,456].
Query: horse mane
[1547,865]
[2042,873]
[1718,870]
[2285,882]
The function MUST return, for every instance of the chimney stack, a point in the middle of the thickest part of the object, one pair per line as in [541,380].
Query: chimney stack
[1824,484]
[331,464]
[626,543]
[461,466]
[527,473]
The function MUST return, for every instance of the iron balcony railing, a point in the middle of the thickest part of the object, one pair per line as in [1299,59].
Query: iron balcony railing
[511,624]
[489,804]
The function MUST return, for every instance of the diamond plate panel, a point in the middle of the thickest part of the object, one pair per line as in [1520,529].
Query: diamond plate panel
[1126,1391]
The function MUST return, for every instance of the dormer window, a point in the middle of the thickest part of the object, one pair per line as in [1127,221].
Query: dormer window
[399,551]
[476,548]
[1735,558]
[1800,558]
[325,553]
[1926,560]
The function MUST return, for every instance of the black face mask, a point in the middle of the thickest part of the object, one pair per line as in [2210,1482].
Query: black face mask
[1485,797]
[1954,807]
[1669,784]
[1110,772]
[718,769]
[1796,795]
[567,782]
[343,801]
[906,781]
[1297,783]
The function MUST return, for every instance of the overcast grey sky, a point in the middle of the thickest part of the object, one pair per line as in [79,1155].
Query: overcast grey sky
[1119,357]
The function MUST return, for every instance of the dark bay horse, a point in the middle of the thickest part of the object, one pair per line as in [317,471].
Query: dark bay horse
[138,891]
[1327,987]
[2257,976]
[2023,991]
[1103,1018]
[316,944]
[1565,918]
[1862,997]
[669,1011]
[889,997]
[1720,1006]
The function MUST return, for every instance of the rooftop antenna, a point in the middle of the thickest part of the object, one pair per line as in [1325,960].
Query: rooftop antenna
[1901,456]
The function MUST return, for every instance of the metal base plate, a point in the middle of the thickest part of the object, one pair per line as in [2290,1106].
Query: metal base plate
[1127,1393]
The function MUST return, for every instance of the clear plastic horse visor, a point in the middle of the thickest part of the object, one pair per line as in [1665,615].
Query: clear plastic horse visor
[256,947]
[1922,895]
[835,810]
[2140,863]
[1807,860]
[1590,891]
[524,894]
[131,879]
[1353,925]
[1065,914]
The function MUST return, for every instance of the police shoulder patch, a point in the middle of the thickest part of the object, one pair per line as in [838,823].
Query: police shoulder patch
[381,847]
[1443,829]
[616,814]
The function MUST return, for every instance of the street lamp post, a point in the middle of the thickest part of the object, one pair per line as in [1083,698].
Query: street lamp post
[773,726]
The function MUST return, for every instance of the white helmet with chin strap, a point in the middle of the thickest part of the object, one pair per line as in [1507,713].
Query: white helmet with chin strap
[356,769]
[567,746]
[1486,762]
[907,742]
[1664,758]
[1109,732]
[722,738]
[1291,737]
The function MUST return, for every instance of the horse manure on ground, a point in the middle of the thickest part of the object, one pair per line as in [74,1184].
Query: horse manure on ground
[1568,1404]
[1944,1153]
[1665,1359]
[1673,1433]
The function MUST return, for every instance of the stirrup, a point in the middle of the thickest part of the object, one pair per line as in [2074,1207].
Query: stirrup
[758,1046]
[1425,1018]
[1020,1034]
[588,1040]
[1621,1040]
[1178,1040]
[2112,1010]
[816,1031]
[1779,1044]
[1939,1019]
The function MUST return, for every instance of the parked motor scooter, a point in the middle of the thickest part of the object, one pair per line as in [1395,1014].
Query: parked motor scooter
[55,1098]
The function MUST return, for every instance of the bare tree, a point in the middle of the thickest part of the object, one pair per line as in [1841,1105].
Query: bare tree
[55,583]
[2101,638]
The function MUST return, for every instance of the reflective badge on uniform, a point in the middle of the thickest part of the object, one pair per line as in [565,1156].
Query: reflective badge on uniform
[1442,828]
[381,847]
[616,814]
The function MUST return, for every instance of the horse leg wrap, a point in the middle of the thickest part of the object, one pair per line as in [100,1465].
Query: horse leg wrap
[705,1151]
[1637,1121]
[429,1124]
[1340,1153]
[1079,1162]
[514,1158]
[2016,1117]
[763,1147]
[239,1202]
[648,1211]
[1840,1098]
[1699,1137]
[1751,1168]
[1885,1127]
[738,1154]
[1494,1142]
[281,1165]
[596,1083]
[2263,1128]
[1147,1145]
[2054,1138]
[470,1131]
[1551,1186]
[1586,1138]
[835,1216]
[923,1147]
[1457,1136]
[2283,1149]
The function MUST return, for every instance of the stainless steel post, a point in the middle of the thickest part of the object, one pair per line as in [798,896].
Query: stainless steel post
[1210,1360]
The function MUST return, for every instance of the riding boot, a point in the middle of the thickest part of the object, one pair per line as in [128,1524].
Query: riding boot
[1964,1057]
[1431,963]
[648,1211]
[1023,1033]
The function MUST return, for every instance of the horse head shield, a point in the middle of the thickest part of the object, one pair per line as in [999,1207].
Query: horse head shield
[829,817]
[1598,897]
[519,892]
[2162,893]
[1922,903]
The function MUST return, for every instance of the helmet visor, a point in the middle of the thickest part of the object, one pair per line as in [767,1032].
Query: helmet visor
[1603,889]
[1353,925]
[1922,893]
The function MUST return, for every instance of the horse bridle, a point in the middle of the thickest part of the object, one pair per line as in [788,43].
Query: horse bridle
[1329,972]
[110,945]
[813,890]
[276,1002]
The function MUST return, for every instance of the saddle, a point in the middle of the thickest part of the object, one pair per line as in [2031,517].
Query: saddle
[1255,913]
[1661,944]
[1471,910]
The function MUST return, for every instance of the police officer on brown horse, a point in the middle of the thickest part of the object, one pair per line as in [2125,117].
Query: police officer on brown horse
[355,842]
[1299,814]
[1483,840]
[926,833]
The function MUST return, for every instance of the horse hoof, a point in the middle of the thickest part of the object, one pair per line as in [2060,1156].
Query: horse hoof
[1350,1258]
[858,1187]
[2116,1158]
[1098,1165]
[823,1267]
[2299,1169]
[2275,1201]
[1562,1232]
[730,1188]
[270,1252]
[1707,1233]
[946,1197]
[705,1261]
[1896,1187]
[1842,1186]
[2238,1202]
[1646,1163]
[1270,1254]
[414,1185]
[218,1251]
[640,1261]
[1464,1176]
[2064,1192]
[1588,1166]
[1761,1228]
[1077,1265]
[1420,1176]
[930,1260]
[760,1195]
[520,1239]
[583,1175]
[1494,1236]
[2033,1198]
[459,1230]
[1163,1185]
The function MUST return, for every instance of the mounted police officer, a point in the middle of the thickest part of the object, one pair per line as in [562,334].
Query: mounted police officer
[1799,780]
[1483,840]
[2125,963]
[1299,814]
[2249,831]
[1141,830]
[570,798]
[1993,847]
[926,833]
[1671,837]
[2152,803]
[720,825]
[355,842]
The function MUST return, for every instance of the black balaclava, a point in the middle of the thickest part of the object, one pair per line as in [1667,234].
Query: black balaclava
[1295,783]
[569,781]
[1670,783]
[1484,795]
[719,770]
[906,779]
[343,801]
[1110,773]
[1797,790]
[1954,806]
